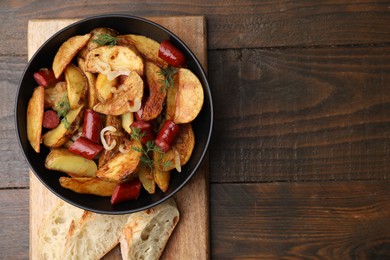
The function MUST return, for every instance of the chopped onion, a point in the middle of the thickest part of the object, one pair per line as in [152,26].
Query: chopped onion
[122,148]
[115,73]
[177,161]
[104,142]
[136,106]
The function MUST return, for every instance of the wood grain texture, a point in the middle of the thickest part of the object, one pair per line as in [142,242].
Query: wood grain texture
[300,114]
[328,220]
[233,24]
[192,200]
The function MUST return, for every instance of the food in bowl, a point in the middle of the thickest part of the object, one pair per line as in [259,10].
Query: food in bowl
[115,111]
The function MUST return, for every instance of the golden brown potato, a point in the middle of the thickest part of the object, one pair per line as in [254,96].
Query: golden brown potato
[185,98]
[157,92]
[91,78]
[76,85]
[92,44]
[104,86]
[68,51]
[161,178]
[127,120]
[54,95]
[122,166]
[145,175]
[35,110]
[72,164]
[94,186]
[146,46]
[63,132]
[184,145]
[112,58]
[128,97]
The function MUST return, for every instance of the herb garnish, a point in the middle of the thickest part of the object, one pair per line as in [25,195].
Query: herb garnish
[168,74]
[149,147]
[105,39]
[63,108]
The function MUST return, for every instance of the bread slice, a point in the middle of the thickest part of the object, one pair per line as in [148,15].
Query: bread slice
[53,229]
[93,236]
[147,232]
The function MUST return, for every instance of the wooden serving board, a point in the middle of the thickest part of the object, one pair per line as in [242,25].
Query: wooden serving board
[190,239]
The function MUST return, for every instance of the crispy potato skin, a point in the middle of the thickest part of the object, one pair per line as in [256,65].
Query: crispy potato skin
[94,186]
[74,165]
[161,178]
[76,85]
[157,92]
[67,52]
[122,166]
[91,44]
[91,79]
[145,175]
[35,110]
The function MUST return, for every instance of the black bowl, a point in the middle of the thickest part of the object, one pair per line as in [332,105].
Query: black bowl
[124,24]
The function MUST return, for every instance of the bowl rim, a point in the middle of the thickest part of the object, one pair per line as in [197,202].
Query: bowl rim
[206,89]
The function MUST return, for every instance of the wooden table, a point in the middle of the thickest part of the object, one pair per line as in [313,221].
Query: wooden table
[300,156]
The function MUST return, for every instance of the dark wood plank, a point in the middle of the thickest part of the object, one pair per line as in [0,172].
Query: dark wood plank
[14,224]
[300,114]
[328,220]
[232,24]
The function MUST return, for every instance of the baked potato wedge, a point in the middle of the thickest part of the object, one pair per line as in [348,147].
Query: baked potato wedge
[146,46]
[122,166]
[127,120]
[92,43]
[185,98]
[76,85]
[91,79]
[94,186]
[161,178]
[145,175]
[110,138]
[104,86]
[72,164]
[157,92]
[35,110]
[114,58]
[67,52]
[54,95]
[64,131]
[127,97]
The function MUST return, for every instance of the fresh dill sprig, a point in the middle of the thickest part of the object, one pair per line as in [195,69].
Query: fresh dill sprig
[168,74]
[105,39]
[62,109]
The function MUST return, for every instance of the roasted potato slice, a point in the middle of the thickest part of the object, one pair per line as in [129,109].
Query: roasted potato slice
[104,86]
[157,92]
[54,95]
[35,110]
[63,132]
[114,58]
[91,79]
[127,120]
[127,97]
[145,175]
[123,165]
[67,52]
[145,45]
[184,145]
[76,85]
[92,44]
[161,177]
[72,164]
[185,98]
[94,186]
